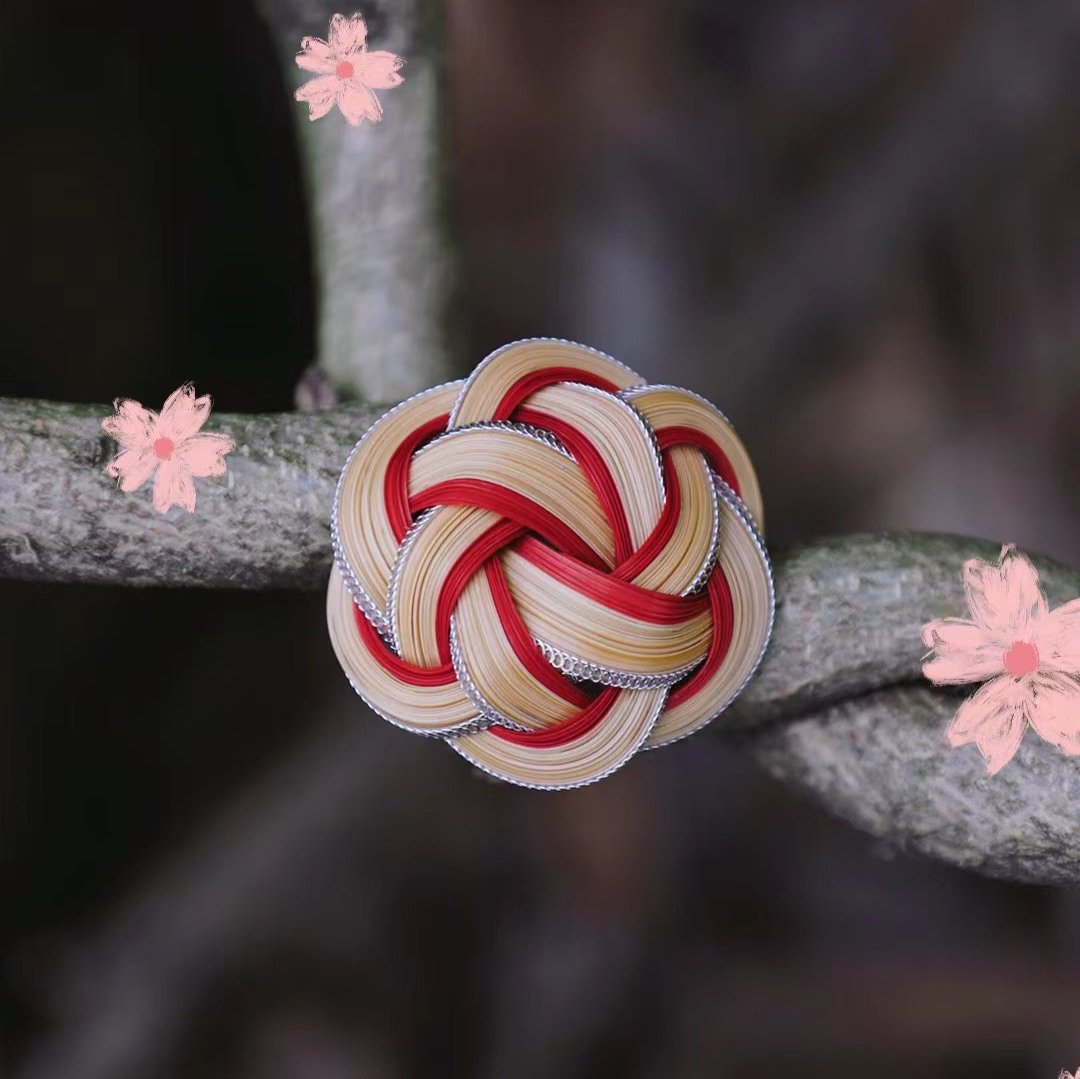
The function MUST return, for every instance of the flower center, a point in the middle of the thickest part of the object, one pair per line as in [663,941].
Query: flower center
[163,448]
[344,70]
[1021,659]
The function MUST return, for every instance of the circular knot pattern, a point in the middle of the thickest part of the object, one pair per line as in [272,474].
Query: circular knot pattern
[551,564]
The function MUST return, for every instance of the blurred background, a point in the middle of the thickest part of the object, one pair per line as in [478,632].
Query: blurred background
[854,225]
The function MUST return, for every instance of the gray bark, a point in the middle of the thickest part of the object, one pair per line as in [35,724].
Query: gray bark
[840,710]
[377,197]
[882,763]
[264,524]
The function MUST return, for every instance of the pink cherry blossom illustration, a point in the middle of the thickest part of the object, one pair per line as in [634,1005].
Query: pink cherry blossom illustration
[1027,655]
[348,72]
[168,447]
[1070,1075]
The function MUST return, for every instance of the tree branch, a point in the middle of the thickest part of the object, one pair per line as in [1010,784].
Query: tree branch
[262,525]
[383,260]
[865,734]
[882,763]
[838,706]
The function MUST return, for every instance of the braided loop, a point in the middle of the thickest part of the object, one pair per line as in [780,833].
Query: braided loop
[551,564]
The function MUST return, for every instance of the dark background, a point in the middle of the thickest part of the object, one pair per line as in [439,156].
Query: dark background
[854,225]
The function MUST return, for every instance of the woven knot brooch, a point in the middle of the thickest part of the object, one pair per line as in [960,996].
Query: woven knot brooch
[550,564]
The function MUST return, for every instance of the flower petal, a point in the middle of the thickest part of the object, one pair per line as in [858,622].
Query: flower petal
[132,426]
[1006,598]
[182,414]
[994,718]
[965,652]
[1055,710]
[379,70]
[133,468]
[359,103]
[173,486]
[315,55]
[347,35]
[1058,638]
[321,94]
[204,455]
